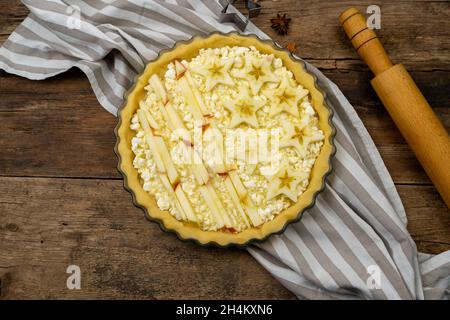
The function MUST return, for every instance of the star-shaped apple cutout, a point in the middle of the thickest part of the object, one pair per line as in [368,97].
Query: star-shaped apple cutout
[285,98]
[285,182]
[257,72]
[300,135]
[243,109]
[296,136]
[215,71]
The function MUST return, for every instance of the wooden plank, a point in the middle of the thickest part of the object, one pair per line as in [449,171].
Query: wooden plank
[55,128]
[48,224]
[11,15]
[428,216]
[409,29]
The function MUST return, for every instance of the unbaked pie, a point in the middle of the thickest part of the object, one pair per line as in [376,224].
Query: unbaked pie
[226,136]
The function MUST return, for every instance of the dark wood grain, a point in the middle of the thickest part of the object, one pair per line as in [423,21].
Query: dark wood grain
[48,224]
[411,31]
[62,201]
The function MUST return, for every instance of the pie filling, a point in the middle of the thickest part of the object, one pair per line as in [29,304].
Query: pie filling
[226,140]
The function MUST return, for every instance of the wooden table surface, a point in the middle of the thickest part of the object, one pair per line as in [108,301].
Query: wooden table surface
[61,197]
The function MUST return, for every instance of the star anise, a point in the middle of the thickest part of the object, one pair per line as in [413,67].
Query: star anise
[280,24]
[291,46]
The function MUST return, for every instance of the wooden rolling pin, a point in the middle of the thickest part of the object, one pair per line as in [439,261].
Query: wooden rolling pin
[412,114]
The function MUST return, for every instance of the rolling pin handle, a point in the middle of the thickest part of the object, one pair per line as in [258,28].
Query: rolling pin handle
[365,41]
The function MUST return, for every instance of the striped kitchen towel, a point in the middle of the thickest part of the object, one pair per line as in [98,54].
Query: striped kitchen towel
[353,244]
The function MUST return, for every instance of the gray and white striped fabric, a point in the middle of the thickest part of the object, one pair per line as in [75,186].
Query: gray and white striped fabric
[352,245]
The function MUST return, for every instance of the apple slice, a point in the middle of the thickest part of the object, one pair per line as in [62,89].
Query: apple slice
[150,139]
[167,159]
[214,140]
[180,69]
[159,88]
[251,168]
[142,116]
[226,218]
[212,206]
[197,93]
[190,100]
[273,188]
[236,200]
[177,123]
[151,121]
[165,115]
[168,186]
[240,189]
[185,204]
[197,167]
[156,156]
[174,121]
[252,152]
[174,117]
[252,212]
